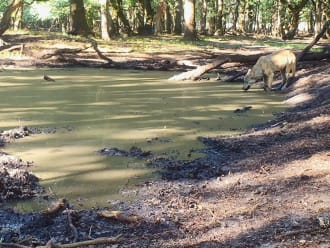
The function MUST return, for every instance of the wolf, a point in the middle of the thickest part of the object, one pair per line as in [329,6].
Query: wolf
[283,61]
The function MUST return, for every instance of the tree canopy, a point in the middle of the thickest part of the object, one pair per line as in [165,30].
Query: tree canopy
[110,18]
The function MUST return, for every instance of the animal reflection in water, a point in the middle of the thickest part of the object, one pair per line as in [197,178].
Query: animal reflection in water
[283,61]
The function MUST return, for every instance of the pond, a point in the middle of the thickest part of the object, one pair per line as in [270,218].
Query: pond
[89,109]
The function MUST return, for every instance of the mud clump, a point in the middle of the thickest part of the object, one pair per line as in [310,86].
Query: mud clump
[17,184]
[134,152]
[12,134]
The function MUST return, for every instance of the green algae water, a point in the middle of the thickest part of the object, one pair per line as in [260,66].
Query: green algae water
[90,109]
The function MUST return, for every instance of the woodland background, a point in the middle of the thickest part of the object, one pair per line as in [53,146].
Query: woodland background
[110,19]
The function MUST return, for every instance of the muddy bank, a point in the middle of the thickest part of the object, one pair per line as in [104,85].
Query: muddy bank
[16,182]
[265,188]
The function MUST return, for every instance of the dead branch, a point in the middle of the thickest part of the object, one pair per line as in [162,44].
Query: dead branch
[98,241]
[72,227]
[63,51]
[9,245]
[196,73]
[97,50]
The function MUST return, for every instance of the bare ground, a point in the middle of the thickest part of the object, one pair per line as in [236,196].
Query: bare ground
[268,187]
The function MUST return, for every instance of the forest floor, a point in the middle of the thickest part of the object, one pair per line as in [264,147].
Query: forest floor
[268,187]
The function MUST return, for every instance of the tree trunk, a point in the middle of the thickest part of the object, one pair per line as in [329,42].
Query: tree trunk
[318,16]
[235,15]
[294,10]
[18,18]
[203,13]
[250,17]
[6,18]
[78,21]
[275,20]
[139,17]
[178,17]
[293,27]
[202,6]
[149,17]
[145,12]
[118,6]
[168,19]
[242,26]
[189,20]
[105,20]
[160,17]
[219,24]
[310,23]
[282,22]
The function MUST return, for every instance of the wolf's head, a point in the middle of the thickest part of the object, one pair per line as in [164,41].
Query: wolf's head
[251,77]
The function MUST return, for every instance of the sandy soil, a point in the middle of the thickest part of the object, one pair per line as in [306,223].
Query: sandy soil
[268,187]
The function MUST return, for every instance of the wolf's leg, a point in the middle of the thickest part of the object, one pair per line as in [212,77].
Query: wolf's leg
[270,78]
[265,80]
[291,68]
[285,76]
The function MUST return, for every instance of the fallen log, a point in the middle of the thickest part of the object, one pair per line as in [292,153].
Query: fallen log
[315,40]
[231,78]
[10,48]
[196,73]
[314,56]
[62,51]
[94,242]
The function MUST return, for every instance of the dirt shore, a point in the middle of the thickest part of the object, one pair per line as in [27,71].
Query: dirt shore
[268,187]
